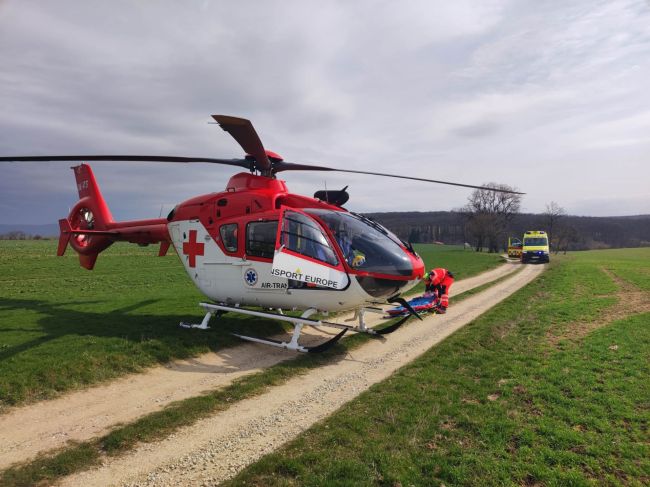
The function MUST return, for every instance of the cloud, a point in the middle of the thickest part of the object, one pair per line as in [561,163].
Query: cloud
[477,129]
[549,97]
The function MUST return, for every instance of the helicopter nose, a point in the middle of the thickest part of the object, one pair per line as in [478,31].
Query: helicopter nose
[418,266]
[383,286]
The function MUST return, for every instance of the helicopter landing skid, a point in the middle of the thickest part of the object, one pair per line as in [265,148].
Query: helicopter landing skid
[298,323]
[204,323]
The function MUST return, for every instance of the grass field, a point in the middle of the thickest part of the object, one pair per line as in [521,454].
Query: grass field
[62,327]
[549,388]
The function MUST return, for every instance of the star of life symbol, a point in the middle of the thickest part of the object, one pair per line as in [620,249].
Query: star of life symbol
[250,276]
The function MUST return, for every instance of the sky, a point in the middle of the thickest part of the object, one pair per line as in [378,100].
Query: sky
[550,97]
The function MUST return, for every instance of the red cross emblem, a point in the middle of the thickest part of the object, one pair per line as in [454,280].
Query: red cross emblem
[193,248]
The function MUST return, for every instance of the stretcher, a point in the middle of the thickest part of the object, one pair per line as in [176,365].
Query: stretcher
[422,304]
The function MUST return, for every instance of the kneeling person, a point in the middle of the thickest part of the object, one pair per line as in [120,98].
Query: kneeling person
[437,282]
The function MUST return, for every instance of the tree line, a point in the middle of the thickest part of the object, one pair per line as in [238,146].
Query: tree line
[489,218]
[20,235]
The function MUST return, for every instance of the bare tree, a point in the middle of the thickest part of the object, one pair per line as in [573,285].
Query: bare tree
[552,216]
[488,214]
[478,227]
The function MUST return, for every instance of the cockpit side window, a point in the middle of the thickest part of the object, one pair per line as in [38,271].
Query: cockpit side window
[229,236]
[260,238]
[302,235]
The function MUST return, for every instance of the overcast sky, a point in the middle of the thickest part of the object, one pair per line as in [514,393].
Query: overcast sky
[550,97]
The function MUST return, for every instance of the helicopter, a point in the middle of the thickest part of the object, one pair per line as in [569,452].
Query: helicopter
[257,249]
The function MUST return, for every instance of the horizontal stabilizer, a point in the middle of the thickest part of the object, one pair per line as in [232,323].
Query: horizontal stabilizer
[83,231]
[64,236]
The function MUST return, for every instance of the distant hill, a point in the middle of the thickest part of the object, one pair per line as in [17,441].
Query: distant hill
[47,230]
[590,232]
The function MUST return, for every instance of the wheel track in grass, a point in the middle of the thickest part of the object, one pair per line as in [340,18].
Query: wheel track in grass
[81,415]
[216,448]
[629,300]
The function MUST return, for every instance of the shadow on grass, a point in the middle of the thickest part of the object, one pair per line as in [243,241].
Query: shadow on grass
[57,321]
[62,348]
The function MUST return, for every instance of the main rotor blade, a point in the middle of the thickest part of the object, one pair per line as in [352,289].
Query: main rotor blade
[229,162]
[243,132]
[290,166]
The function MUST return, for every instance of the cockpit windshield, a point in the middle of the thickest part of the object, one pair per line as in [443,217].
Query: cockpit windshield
[366,245]
[380,227]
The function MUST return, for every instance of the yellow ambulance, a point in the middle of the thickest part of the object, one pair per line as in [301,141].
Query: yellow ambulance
[514,248]
[535,247]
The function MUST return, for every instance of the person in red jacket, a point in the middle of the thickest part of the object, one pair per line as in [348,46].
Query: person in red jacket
[438,282]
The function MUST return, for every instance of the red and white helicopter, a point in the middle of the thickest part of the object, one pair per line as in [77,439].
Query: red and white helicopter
[255,244]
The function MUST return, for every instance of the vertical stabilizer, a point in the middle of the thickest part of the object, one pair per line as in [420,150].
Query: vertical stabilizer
[89,189]
[88,261]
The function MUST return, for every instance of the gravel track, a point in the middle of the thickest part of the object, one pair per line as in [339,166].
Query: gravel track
[216,448]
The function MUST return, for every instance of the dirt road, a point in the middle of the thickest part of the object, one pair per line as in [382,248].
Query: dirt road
[217,447]
[78,416]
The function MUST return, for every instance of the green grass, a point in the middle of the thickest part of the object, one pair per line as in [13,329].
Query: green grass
[63,328]
[523,435]
[498,403]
